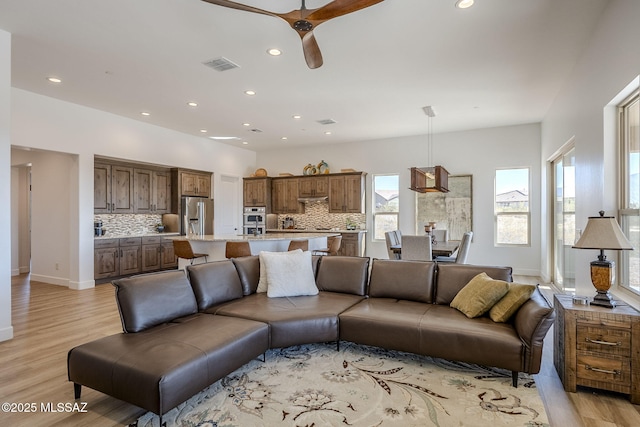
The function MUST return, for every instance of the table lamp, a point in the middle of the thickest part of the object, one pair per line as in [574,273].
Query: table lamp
[603,232]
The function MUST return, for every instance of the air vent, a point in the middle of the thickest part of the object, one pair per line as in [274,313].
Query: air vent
[221,64]
[327,122]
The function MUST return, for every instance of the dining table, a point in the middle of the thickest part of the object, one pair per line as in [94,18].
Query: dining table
[445,249]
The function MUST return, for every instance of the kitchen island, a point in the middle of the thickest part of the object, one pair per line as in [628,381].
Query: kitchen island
[214,245]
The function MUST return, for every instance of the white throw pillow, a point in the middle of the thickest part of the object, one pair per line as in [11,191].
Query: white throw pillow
[288,274]
[263,283]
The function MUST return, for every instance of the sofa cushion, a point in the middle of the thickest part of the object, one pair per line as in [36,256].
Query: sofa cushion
[214,283]
[450,278]
[151,299]
[288,274]
[479,295]
[514,299]
[343,274]
[405,280]
[248,269]
[294,320]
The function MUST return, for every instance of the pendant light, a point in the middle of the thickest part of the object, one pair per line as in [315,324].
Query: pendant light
[429,179]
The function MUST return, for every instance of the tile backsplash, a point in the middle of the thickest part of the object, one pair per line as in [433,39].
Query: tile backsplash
[128,224]
[317,216]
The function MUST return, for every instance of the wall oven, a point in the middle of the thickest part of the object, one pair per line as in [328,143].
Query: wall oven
[255,220]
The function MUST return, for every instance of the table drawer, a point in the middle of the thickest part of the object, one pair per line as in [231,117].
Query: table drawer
[614,371]
[604,340]
[608,320]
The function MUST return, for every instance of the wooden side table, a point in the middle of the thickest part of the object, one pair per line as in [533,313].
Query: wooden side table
[597,347]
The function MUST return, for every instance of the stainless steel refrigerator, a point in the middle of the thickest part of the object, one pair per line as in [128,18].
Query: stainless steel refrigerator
[197,216]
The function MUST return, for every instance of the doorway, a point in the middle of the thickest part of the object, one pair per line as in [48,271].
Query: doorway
[564,218]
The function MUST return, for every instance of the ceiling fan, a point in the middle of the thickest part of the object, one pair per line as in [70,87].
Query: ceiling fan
[305,20]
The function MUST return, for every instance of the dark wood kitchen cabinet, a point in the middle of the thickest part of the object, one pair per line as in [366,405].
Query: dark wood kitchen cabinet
[346,193]
[257,192]
[117,257]
[284,196]
[314,186]
[157,254]
[113,188]
[352,244]
[152,191]
[194,183]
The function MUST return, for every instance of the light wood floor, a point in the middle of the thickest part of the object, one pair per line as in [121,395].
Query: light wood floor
[48,320]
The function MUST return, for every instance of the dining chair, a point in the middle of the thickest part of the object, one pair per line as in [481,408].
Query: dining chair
[392,239]
[416,248]
[333,246]
[440,235]
[462,253]
[182,249]
[299,244]
[237,249]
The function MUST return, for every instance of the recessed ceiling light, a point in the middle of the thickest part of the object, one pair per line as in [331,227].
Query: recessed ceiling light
[245,143]
[203,130]
[192,104]
[284,138]
[145,113]
[54,80]
[274,52]
[223,138]
[297,116]
[250,92]
[464,4]
[328,132]
[246,124]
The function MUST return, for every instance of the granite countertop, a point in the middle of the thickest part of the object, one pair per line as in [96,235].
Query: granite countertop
[311,230]
[249,237]
[124,236]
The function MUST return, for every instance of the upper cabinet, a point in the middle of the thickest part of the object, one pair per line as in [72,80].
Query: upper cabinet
[257,192]
[194,183]
[113,188]
[346,193]
[284,196]
[314,186]
[152,191]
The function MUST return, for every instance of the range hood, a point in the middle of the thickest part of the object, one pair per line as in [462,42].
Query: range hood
[313,199]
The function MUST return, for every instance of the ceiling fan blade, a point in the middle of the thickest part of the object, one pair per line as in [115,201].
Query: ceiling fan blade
[312,53]
[234,5]
[340,7]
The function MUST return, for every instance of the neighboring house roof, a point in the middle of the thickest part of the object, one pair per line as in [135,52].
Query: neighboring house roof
[514,196]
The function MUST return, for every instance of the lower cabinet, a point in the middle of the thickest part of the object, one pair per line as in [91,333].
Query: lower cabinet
[352,244]
[157,254]
[132,255]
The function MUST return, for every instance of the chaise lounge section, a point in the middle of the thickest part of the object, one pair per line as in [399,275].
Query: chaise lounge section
[184,332]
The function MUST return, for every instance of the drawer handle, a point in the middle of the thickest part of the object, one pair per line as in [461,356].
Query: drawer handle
[604,371]
[603,342]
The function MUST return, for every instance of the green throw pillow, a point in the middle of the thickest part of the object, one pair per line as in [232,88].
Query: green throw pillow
[479,295]
[511,302]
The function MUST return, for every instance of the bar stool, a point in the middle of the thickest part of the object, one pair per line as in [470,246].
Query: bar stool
[182,249]
[237,249]
[299,244]
[333,243]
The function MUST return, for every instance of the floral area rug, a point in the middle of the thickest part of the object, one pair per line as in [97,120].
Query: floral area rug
[315,385]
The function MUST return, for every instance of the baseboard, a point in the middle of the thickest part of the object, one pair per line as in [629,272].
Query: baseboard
[87,284]
[15,272]
[24,270]
[60,281]
[6,333]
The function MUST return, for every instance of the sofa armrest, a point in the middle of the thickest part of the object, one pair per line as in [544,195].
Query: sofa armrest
[532,321]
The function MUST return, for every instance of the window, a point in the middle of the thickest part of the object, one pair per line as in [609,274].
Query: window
[512,215]
[386,204]
[629,135]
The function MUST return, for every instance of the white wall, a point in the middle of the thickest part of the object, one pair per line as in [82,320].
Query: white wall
[6,330]
[478,152]
[64,138]
[610,62]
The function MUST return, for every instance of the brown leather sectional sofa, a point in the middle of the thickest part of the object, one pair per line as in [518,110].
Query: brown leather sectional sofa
[184,332]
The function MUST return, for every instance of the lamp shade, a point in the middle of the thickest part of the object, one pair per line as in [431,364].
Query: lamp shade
[603,232]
